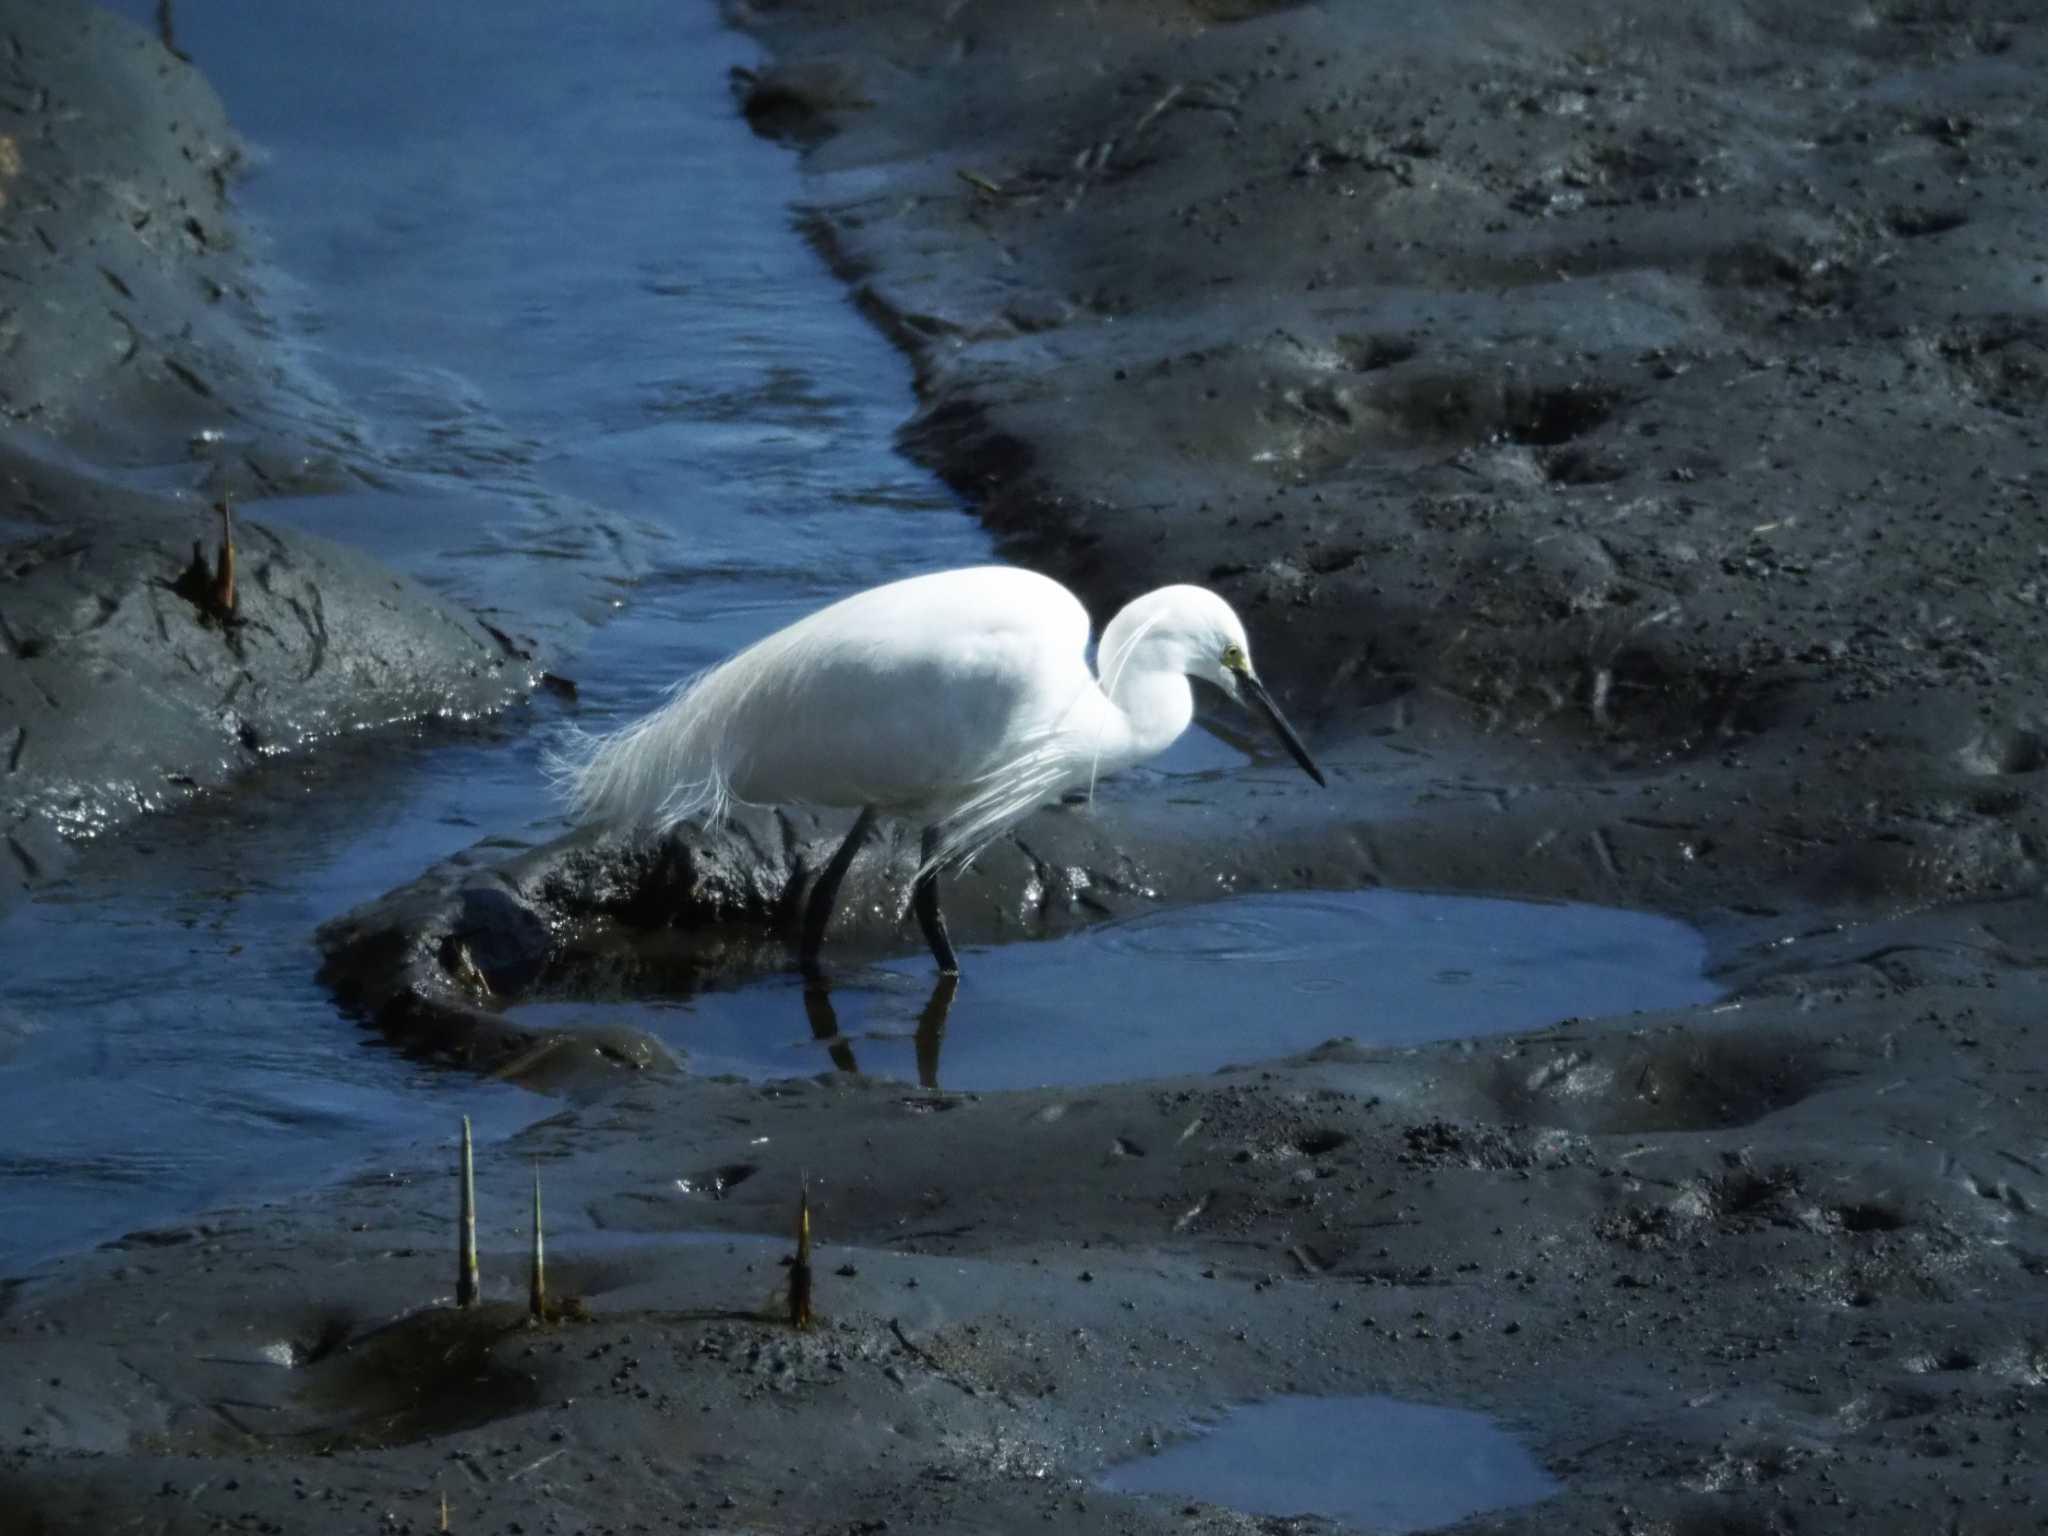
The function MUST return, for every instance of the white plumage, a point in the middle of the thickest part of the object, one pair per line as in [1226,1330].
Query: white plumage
[961,699]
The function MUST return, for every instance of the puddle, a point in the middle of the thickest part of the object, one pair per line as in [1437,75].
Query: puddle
[1193,989]
[1373,1463]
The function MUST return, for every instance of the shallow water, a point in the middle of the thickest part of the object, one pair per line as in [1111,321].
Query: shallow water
[1232,981]
[171,1050]
[543,271]
[1374,1463]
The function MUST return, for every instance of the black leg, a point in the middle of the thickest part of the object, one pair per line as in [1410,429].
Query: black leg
[825,894]
[925,899]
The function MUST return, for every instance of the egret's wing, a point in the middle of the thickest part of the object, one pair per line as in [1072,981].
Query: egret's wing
[919,697]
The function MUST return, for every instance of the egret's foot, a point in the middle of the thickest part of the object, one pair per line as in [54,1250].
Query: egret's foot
[942,945]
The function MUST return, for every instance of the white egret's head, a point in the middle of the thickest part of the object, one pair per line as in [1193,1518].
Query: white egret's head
[1218,651]
[1192,630]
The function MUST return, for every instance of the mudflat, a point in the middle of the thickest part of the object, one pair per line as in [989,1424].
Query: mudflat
[1620,428]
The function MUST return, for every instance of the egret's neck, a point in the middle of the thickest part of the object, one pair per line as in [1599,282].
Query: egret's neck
[1144,677]
[1148,711]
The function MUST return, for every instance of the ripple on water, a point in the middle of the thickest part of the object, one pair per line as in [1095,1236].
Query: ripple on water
[1193,989]
[1376,1463]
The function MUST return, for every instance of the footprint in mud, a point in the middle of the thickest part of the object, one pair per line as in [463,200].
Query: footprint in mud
[1675,1081]
[422,1377]
[716,1182]
[1998,753]
[334,1385]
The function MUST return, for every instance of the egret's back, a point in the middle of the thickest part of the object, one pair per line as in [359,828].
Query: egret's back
[940,695]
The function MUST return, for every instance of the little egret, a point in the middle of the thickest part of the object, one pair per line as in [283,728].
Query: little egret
[961,699]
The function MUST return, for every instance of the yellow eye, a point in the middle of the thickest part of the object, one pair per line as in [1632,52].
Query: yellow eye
[1234,658]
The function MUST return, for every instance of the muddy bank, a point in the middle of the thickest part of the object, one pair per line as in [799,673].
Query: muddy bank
[135,355]
[122,690]
[1656,390]
[1779,1265]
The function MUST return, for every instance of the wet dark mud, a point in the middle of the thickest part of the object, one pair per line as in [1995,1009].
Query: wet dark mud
[123,690]
[1775,1266]
[139,384]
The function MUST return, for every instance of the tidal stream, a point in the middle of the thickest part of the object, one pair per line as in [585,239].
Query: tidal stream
[543,279]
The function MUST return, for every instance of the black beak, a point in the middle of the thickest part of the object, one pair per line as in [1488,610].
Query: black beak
[1254,692]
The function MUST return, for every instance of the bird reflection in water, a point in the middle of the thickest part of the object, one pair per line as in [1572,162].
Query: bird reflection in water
[931,1025]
